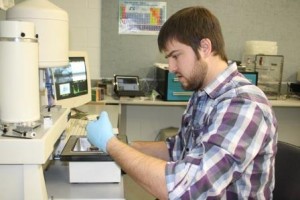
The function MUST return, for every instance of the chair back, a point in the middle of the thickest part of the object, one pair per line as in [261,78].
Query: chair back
[287,172]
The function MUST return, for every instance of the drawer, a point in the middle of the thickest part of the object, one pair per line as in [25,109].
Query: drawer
[173,81]
[175,90]
[178,94]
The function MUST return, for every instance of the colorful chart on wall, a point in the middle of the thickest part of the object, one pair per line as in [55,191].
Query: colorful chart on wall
[141,17]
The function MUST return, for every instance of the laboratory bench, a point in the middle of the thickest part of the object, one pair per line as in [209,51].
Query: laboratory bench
[109,100]
[59,187]
[22,159]
[29,171]
[143,118]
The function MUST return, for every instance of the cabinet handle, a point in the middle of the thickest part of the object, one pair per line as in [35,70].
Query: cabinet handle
[175,79]
[182,93]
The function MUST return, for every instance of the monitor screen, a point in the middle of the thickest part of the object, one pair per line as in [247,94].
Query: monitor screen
[72,83]
[127,83]
[251,76]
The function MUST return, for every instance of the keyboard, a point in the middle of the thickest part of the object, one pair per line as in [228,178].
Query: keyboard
[77,127]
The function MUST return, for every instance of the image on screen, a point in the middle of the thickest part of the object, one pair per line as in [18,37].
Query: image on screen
[71,81]
[127,84]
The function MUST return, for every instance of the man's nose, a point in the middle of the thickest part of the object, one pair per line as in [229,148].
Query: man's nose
[172,67]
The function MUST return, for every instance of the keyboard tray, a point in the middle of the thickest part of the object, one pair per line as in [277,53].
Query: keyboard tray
[78,148]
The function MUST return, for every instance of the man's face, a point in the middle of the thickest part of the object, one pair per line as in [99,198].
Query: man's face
[182,61]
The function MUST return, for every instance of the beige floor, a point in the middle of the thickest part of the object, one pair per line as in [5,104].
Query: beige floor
[133,191]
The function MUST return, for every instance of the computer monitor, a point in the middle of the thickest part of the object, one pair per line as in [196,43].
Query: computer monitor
[251,76]
[72,83]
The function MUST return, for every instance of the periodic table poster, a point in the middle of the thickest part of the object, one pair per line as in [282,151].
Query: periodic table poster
[141,17]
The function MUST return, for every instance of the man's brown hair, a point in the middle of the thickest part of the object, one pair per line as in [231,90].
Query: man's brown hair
[189,26]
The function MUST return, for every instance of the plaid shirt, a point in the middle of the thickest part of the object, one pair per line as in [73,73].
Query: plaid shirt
[229,132]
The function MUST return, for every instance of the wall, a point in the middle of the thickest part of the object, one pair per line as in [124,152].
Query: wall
[94,28]
[2,15]
[84,26]
[276,20]
[85,31]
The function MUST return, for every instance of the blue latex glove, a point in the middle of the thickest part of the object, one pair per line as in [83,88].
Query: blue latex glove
[100,131]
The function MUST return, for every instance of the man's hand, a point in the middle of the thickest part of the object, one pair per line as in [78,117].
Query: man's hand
[99,132]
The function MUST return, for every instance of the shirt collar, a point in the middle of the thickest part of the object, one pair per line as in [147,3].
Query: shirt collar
[213,89]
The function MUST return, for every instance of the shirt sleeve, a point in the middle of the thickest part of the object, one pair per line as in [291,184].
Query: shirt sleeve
[223,148]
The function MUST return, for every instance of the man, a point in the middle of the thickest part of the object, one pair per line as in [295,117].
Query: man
[226,145]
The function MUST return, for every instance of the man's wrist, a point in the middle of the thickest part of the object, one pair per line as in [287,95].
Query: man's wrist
[109,141]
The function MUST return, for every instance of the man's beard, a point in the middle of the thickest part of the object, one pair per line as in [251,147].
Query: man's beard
[196,79]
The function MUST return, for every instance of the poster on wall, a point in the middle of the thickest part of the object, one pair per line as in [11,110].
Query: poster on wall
[141,17]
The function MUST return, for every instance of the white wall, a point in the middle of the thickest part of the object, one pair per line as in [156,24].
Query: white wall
[276,20]
[84,25]
[2,14]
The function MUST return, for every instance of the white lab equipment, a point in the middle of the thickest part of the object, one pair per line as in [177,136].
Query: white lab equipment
[5,4]
[19,92]
[52,27]
[34,36]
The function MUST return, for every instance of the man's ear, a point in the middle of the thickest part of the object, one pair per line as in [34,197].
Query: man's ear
[205,46]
